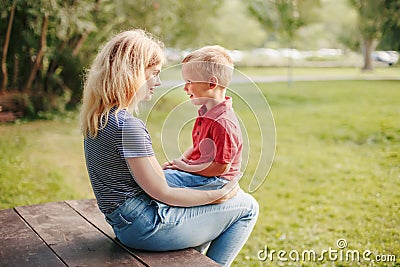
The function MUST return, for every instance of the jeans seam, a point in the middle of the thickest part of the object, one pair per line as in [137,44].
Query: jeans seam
[248,211]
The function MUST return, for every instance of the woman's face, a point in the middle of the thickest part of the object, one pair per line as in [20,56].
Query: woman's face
[152,80]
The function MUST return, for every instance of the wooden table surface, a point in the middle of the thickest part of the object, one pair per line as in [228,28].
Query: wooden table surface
[75,233]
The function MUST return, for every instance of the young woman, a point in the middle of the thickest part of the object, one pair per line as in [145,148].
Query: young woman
[127,180]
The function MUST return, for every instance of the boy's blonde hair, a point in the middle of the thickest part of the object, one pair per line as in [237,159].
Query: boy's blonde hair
[211,61]
[115,77]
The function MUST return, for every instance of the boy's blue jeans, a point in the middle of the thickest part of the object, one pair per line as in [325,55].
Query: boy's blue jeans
[177,178]
[144,223]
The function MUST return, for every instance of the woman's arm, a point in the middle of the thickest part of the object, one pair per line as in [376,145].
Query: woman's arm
[150,177]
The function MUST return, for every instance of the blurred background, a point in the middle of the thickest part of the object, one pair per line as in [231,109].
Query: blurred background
[47,44]
[327,68]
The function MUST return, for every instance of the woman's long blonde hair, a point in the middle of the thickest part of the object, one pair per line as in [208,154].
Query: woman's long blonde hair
[116,74]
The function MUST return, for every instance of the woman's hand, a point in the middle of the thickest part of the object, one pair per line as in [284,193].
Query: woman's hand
[230,194]
[231,189]
[150,177]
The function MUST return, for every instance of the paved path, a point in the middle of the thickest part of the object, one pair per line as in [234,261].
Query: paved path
[285,78]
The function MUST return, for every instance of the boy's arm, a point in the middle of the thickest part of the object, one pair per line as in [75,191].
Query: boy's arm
[151,179]
[206,169]
[187,153]
[185,156]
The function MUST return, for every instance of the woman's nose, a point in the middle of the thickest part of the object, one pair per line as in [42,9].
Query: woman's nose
[157,81]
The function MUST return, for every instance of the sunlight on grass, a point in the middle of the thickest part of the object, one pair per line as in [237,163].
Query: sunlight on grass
[41,162]
[336,172]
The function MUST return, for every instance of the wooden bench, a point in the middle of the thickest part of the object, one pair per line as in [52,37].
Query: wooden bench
[74,233]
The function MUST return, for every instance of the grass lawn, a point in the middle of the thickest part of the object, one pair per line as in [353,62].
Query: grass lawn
[336,171]
[41,162]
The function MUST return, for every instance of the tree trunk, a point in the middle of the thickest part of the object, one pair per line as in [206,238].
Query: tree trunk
[39,57]
[85,35]
[368,47]
[5,50]
[79,44]
[15,71]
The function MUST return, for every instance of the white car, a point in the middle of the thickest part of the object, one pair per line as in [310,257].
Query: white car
[389,57]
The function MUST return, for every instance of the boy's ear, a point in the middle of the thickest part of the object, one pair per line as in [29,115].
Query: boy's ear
[213,82]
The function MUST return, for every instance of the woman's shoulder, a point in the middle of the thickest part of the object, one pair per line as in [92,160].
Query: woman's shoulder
[127,120]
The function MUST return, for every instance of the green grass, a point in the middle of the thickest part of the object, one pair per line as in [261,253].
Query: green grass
[336,172]
[40,162]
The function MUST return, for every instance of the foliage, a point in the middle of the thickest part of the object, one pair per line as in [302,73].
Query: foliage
[179,23]
[391,27]
[375,18]
[234,29]
[47,44]
[49,35]
[57,38]
[284,17]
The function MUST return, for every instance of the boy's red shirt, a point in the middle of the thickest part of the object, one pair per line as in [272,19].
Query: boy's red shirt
[217,136]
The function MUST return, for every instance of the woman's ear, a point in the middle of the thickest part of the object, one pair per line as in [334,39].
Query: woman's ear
[213,82]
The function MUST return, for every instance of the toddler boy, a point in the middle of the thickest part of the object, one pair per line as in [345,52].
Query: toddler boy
[216,152]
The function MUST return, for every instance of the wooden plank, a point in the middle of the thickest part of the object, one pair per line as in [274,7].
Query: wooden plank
[187,257]
[20,245]
[74,240]
[177,258]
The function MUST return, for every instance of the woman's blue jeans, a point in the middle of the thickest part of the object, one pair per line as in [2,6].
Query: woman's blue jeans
[143,223]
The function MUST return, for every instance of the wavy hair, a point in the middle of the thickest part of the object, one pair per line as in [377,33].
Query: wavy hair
[115,77]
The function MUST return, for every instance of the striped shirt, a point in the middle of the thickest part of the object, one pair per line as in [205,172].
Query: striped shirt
[110,176]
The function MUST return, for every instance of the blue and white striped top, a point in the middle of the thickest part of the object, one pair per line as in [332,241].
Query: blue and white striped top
[110,176]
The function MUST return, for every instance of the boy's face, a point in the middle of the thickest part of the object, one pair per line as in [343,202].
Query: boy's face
[196,86]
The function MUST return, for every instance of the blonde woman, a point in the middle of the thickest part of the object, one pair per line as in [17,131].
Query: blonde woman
[127,180]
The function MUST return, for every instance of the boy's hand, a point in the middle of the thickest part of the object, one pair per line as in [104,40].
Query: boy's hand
[180,165]
[168,165]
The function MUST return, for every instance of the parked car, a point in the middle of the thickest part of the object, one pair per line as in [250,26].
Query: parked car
[389,57]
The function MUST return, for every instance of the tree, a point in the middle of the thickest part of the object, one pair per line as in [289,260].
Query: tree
[49,42]
[39,56]
[5,50]
[179,23]
[391,27]
[234,28]
[284,18]
[49,35]
[370,24]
